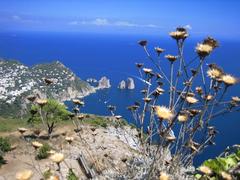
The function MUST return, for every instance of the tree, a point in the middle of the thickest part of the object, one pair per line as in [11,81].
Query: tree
[50,114]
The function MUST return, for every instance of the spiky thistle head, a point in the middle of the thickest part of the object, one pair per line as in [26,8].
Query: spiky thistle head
[229,79]
[214,73]
[163,112]
[171,58]
[203,50]
[24,174]
[57,157]
[164,176]
[191,100]
[211,42]
[205,170]
[159,50]
[147,70]
[180,33]
[183,116]
[142,43]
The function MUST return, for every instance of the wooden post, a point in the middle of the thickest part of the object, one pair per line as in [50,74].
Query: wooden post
[90,173]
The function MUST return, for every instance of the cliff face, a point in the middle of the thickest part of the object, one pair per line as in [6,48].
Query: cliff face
[18,81]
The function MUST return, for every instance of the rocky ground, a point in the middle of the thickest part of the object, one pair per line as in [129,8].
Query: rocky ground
[106,150]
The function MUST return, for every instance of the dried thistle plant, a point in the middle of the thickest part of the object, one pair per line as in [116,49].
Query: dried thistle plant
[196,96]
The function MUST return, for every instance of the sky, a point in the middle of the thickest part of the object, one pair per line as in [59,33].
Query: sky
[201,17]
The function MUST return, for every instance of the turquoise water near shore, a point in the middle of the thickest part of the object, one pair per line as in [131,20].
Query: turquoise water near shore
[114,56]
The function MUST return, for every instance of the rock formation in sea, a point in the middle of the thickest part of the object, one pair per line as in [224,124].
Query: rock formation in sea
[122,85]
[130,83]
[104,83]
[91,80]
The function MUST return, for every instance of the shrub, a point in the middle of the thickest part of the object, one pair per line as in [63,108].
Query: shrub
[98,121]
[50,114]
[43,151]
[228,164]
[2,160]
[47,174]
[5,145]
[71,175]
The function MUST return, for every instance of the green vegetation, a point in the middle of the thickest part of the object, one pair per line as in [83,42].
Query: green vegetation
[47,174]
[103,121]
[221,165]
[5,146]
[10,124]
[2,160]
[96,121]
[50,114]
[71,175]
[43,152]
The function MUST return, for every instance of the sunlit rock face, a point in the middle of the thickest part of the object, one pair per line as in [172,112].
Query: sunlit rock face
[104,83]
[122,85]
[130,83]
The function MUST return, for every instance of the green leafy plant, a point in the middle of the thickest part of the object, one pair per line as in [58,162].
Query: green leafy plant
[43,151]
[97,121]
[71,175]
[2,160]
[47,174]
[222,164]
[5,145]
[49,114]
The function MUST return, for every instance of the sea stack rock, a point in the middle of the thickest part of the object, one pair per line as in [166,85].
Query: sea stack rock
[130,83]
[122,85]
[103,83]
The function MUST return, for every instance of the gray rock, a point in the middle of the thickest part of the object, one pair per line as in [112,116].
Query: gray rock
[122,85]
[130,83]
[103,83]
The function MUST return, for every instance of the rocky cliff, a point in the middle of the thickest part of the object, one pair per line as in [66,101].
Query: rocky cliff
[18,81]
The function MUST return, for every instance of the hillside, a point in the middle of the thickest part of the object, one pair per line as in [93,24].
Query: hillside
[18,81]
[93,142]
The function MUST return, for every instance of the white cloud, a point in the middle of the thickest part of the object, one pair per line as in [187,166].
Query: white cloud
[151,26]
[100,22]
[125,23]
[23,19]
[188,26]
[106,22]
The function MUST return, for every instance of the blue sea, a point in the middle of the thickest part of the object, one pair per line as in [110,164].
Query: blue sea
[114,56]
